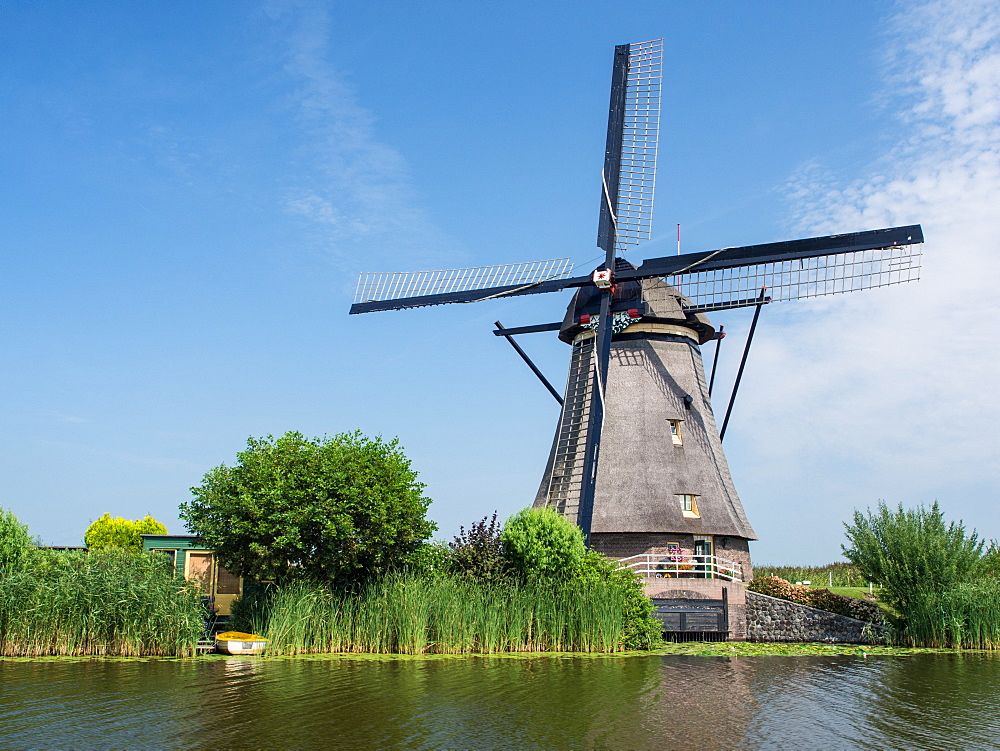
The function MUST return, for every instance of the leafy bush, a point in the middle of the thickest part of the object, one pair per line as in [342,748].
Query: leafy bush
[16,547]
[117,532]
[641,629]
[542,545]
[429,559]
[852,607]
[479,552]
[775,586]
[910,553]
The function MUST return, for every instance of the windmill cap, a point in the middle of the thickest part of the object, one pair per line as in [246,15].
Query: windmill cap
[657,301]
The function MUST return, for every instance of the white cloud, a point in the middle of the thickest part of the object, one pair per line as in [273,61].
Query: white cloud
[63,417]
[350,185]
[893,389]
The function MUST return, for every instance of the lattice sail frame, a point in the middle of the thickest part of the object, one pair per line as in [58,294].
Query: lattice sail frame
[378,286]
[834,274]
[637,177]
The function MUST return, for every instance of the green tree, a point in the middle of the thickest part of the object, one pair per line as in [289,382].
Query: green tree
[118,532]
[333,508]
[16,547]
[542,544]
[913,552]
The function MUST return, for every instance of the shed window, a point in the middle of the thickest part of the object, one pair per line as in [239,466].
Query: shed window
[199,570]
[689,505]
[226,583]
[168,556]
[675,432]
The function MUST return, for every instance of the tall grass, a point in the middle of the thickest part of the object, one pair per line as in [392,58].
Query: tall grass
[966,616]
[404,614]
[101,603]
[843,574]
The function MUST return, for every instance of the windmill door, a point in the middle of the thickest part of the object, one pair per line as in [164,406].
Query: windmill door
[703,557]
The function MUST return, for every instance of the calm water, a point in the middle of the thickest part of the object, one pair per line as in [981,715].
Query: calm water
[917,702]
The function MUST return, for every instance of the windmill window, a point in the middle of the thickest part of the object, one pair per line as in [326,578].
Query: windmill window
[675,432]
[689,505]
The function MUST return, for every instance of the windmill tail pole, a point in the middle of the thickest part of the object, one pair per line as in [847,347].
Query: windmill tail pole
[743,362]
[715,360]
[530,364]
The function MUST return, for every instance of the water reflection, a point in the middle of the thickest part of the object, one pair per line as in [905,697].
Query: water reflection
[925,701]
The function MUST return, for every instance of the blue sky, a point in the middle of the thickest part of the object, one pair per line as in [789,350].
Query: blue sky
[190,190]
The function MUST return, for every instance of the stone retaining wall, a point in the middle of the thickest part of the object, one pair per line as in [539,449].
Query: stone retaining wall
[772,619]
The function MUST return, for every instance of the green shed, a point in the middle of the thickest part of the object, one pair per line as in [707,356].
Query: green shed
[196,562]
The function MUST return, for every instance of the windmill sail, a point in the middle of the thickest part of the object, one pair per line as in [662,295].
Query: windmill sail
[791,270]
[723,289]
[414,289]
[629,174]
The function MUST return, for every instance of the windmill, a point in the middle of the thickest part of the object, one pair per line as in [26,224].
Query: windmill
[637,458]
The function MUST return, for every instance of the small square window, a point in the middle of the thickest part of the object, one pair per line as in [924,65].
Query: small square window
[675,432]
[168,556]
[689,505]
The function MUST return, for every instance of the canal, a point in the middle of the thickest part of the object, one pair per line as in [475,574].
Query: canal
[927,701]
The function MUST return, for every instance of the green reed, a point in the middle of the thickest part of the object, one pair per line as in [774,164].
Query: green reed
[101,603]
[965,616]
[405,614]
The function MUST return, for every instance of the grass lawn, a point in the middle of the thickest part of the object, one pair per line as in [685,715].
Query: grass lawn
[858,593]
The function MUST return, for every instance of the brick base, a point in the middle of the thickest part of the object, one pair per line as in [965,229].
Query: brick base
[705,589]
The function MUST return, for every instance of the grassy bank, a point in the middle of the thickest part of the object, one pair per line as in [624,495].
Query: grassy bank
[840,574]
[443,615]
[101,603]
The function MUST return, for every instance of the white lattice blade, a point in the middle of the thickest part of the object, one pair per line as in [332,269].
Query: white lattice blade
[637,176]
[800,278]
[379,286]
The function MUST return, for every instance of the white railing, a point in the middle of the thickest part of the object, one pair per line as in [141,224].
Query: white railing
[682,566]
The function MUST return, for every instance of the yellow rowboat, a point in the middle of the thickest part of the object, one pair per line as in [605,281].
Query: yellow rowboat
[239,643]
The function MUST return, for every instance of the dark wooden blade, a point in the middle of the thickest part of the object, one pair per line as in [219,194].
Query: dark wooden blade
[606,230]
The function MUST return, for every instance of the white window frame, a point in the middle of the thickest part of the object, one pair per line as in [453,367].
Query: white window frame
[676,437]
[689,505]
